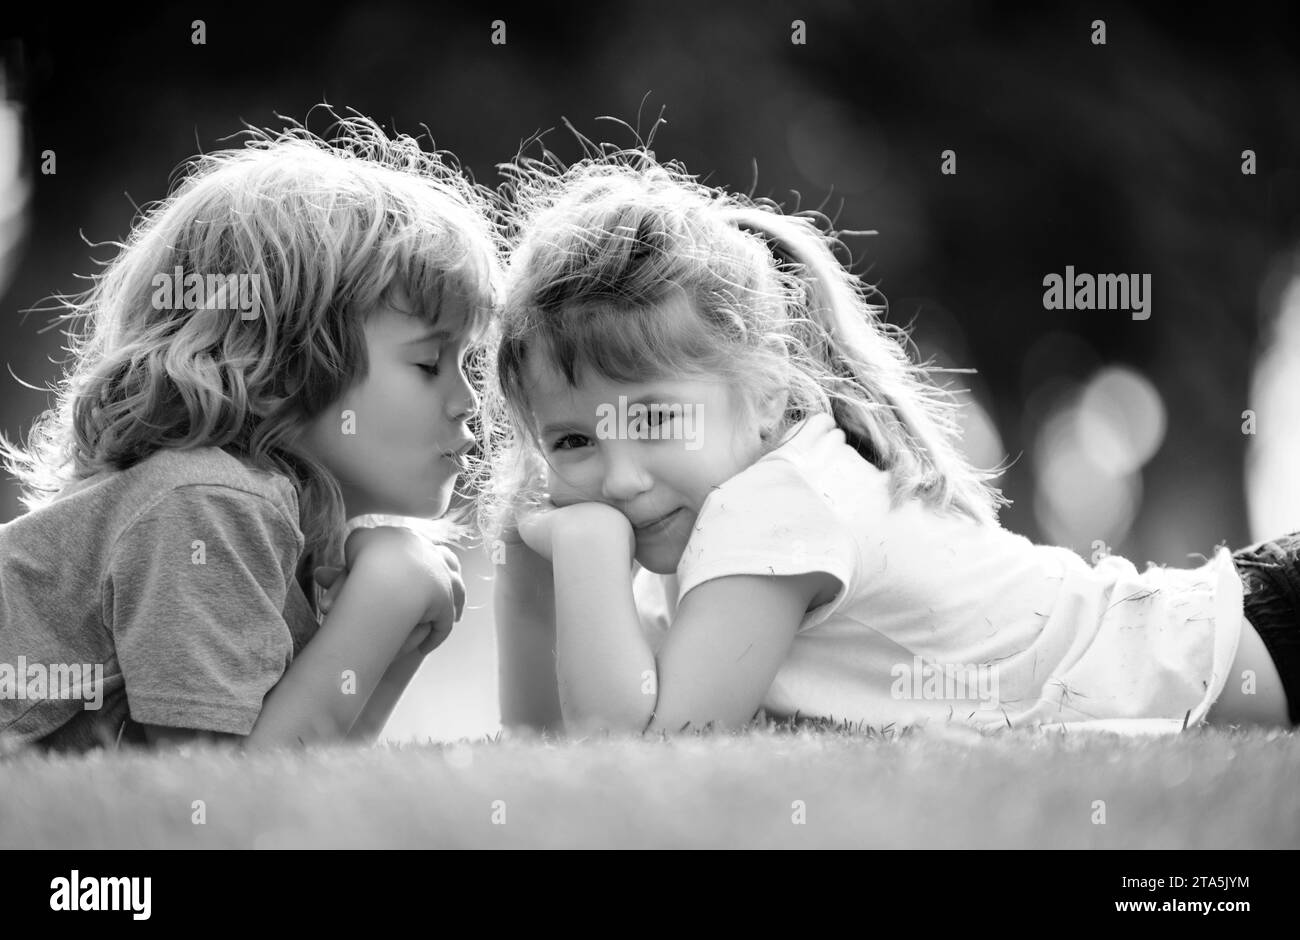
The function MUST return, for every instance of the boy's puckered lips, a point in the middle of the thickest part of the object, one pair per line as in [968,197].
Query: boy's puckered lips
[459,449]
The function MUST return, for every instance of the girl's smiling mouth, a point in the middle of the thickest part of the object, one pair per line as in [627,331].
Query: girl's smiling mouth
[656,525]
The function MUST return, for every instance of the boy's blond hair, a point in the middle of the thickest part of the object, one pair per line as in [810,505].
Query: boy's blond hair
[323,228]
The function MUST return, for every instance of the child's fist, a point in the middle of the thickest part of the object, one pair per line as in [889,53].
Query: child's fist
[593,524]
[416,564]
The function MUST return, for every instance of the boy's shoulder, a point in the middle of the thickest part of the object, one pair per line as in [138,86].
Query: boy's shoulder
[170,469]
[110,502]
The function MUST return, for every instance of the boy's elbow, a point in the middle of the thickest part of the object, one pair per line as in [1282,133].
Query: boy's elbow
[317,729]
[163,736]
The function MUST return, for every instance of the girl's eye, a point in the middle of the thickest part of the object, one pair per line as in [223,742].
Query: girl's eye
[427,368]
[569,442]
[655,417]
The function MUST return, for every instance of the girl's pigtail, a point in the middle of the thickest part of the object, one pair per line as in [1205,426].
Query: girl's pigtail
[886,405]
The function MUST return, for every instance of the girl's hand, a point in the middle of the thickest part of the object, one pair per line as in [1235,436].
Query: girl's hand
[590,521]
[332,580]
[535,528]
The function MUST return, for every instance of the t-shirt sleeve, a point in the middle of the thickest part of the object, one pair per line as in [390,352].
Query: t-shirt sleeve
[770,520]
[194,596]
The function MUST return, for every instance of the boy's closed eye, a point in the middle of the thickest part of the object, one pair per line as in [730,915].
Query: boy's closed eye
[429,356]
[434,362]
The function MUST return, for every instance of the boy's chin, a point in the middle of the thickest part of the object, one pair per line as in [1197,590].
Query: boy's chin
[418,500]
[434,507]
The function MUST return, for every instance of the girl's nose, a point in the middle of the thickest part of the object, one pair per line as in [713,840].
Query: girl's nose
[625,476]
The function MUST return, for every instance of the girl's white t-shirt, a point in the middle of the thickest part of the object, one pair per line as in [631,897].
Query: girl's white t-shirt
[939,617]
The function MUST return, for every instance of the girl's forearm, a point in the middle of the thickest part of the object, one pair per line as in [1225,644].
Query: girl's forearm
[328,684]
[524,607]
[607,673]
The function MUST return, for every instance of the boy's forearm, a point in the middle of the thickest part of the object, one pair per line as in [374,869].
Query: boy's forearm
[328,684]
[608,677]
[387,694]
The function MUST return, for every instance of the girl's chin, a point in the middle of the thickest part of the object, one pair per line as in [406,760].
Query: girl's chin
[658,560]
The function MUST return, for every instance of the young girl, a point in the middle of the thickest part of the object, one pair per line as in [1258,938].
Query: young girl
[277,347]
[690,384]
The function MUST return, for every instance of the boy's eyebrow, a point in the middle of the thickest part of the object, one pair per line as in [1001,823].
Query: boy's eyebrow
[436,333]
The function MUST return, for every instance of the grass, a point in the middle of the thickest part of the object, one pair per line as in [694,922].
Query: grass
[942,787]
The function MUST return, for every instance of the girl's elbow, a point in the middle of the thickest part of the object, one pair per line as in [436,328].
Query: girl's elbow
[529,725]
[583,724]
[670,726]
[679,722]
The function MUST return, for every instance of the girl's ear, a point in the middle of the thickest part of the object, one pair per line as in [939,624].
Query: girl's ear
[772,406]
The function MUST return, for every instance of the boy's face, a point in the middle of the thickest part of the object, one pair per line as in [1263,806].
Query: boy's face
[654,450]
[396,439]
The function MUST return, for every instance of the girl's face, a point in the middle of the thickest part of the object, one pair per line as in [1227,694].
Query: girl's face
[396,440]
[654,450]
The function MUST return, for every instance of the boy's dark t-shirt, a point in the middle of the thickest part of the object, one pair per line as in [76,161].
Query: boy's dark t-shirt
[176,576]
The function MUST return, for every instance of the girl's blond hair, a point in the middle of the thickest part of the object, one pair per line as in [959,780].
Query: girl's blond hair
[599,247]
[325,229]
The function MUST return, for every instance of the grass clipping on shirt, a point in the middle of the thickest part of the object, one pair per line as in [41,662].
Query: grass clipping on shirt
[852,787]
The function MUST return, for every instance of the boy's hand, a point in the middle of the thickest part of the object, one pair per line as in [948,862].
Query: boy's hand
[422,637]
[432,570]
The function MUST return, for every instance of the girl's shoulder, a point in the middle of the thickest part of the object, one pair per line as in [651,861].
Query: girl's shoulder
[813,465]
[803,507]
[815,434]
